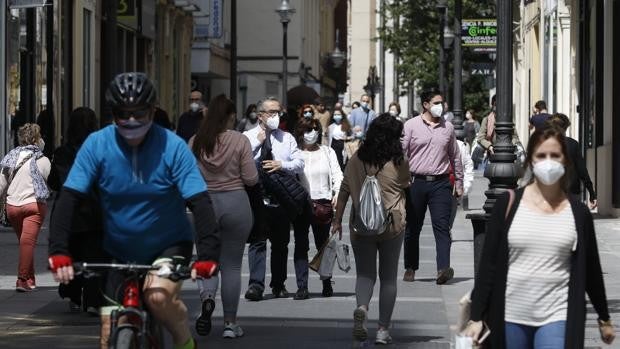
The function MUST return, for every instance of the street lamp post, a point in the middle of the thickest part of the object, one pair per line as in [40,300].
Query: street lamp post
[442,7]
[457,104]
[372,84]
[285,11]
[502,171]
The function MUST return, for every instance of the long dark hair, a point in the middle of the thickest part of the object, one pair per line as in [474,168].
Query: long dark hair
[537,138]
[382,143]
[82,122]
[218,116]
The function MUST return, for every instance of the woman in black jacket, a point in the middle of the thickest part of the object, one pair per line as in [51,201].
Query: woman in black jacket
[539,260]
[85,243]
[580,174]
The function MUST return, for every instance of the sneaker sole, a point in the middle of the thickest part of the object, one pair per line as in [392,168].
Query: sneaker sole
[231,335]
[203,323]
[383,342]
[445,277]
[359,330]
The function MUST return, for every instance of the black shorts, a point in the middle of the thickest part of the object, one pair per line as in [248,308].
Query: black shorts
[115,279]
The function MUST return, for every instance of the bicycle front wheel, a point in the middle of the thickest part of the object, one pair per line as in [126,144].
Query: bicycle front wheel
[125,339]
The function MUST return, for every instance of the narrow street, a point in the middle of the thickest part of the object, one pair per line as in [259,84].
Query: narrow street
[422,317]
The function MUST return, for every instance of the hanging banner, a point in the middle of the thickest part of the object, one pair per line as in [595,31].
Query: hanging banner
[480,34]
[211,27]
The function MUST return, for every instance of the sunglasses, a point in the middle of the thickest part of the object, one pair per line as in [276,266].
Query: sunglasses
[137,114]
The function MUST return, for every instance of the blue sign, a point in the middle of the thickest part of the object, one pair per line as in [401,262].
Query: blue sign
[216,20]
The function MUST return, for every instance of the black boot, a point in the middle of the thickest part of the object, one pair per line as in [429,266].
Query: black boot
[328,291]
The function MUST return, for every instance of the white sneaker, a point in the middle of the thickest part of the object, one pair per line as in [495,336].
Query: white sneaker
[232,330]
[360,332]
[383,337]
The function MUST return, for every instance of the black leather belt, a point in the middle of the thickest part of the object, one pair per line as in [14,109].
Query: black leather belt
[430,178]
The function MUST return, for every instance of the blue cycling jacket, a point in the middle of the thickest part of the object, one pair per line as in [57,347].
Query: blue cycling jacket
[143,190]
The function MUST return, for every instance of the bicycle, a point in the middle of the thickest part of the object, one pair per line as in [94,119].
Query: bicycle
[139,331]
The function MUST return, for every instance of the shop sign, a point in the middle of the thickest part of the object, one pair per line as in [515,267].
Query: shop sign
[485,69]
[213,27]
[480,34]
[26,3]
[127,13]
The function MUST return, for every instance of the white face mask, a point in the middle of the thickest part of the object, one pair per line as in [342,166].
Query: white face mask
[359,135]
[308,115]
[437,110]
[548,171]
[273,122]
[194,107]
[394,113]
[41,143]
[311,137]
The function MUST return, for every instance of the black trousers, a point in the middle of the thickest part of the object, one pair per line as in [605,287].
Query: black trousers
[437,196]
[279,232]
[338,146]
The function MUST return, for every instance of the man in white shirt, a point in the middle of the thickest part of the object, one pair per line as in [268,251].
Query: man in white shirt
[287,157]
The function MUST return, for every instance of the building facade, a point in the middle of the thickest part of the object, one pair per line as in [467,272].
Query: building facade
[564,54]
[367,57]
[60,55]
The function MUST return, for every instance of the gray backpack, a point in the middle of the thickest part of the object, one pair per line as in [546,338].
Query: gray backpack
[373,218]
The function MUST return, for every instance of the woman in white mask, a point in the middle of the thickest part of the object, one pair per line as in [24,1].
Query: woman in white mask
[339,133]
[321,178]
[394,110]
[540,258]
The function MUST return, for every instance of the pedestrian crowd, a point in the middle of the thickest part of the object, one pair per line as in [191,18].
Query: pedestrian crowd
[122,193]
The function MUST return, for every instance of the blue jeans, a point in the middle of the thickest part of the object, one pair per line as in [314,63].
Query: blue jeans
[550,336]
[257,260]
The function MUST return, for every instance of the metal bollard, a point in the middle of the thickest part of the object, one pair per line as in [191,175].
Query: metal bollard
[478,222]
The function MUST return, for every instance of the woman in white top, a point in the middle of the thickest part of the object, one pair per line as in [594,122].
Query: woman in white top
[322,177]
[23,180]
[540,258]
[339,133]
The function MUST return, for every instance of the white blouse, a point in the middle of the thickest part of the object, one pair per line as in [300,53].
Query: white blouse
[322,175]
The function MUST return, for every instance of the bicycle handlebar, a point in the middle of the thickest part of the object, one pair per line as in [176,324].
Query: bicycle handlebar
[176,273]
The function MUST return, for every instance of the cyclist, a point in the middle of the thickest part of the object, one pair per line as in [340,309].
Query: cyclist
[145,176]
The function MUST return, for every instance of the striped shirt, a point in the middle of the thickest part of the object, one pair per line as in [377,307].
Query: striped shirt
[540,247]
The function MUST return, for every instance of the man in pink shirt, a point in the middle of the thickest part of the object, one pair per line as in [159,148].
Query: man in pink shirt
[430,145]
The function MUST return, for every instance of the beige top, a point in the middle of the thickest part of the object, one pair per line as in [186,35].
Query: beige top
[324,118]
[393,180]
[231,166]
[21,190]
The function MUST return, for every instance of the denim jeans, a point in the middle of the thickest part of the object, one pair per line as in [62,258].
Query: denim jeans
[257,261]
[301,228]
[550,336]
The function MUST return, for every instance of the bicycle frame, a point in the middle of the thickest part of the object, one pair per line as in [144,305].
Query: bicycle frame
[136,316]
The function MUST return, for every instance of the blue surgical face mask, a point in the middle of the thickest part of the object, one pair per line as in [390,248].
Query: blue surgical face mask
[338,118]
[308,115]
[133,129]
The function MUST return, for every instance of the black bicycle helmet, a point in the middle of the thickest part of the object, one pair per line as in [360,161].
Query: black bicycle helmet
[130,90]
